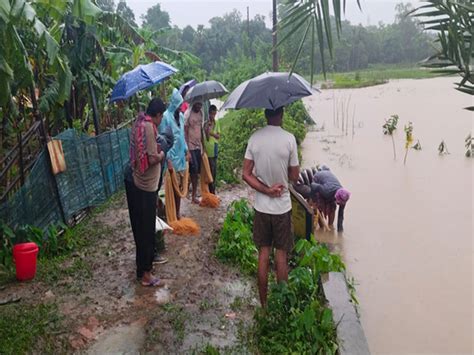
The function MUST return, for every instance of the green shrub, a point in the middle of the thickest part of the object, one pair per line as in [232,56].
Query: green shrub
[238,126]
[296,319]
[55,240]
[235,245]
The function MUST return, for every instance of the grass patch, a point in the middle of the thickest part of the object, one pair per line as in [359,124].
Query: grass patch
[207,304]
[235,245]
[177,318]
[50,271]
[26,327]
[373,76]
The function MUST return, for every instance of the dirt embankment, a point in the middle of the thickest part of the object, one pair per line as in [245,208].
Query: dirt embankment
[104,309]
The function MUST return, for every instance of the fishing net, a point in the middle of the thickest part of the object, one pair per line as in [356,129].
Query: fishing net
[94,171]
[183,226]
[207,199]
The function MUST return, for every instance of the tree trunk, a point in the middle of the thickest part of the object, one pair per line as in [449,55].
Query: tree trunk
[94,108]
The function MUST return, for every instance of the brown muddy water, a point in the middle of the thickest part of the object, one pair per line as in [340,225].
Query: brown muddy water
[408,229]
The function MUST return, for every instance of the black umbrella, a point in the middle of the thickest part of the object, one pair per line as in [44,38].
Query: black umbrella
[207,90]
[269,90]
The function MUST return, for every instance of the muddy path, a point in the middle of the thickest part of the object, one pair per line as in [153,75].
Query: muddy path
[104,309]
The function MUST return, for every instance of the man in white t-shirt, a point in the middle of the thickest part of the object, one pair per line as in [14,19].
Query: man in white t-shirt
[271,161]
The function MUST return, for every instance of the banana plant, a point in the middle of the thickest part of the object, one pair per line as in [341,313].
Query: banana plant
[388,128]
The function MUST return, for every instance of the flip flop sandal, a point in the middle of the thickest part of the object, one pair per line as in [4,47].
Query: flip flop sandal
[152,283]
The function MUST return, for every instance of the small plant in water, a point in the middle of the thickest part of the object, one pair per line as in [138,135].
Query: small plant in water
[388,128]
[417,146]
[408,139]
[443,148]
[469,144]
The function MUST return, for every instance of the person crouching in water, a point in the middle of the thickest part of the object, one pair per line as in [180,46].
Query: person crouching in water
[328,193]
[213,132]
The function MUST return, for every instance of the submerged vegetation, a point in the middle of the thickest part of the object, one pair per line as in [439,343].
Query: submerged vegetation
[389,127]
[469,144]
[408,139]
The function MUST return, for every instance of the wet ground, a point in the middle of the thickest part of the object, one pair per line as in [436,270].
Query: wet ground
[408,228]
[203,301]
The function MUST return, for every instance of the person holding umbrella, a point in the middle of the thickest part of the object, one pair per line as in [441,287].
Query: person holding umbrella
[145,161]
[270,163]
[203,92]
[146,156]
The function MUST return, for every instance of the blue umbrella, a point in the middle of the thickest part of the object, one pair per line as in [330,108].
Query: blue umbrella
[140,78]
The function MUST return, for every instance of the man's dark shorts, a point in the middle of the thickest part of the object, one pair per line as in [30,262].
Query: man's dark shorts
[195,162]
[273,230]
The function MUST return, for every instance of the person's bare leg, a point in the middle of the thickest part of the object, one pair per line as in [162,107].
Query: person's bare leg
[177,202]
[281,262]
[194,183]
[331,211]
[263,268]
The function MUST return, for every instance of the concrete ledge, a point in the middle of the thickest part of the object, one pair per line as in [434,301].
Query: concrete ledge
[351,337]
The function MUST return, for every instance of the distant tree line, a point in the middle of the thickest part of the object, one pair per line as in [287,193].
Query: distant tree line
[231,38]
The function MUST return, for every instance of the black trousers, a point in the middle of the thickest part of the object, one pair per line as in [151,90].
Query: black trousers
[142,210]
[213,166]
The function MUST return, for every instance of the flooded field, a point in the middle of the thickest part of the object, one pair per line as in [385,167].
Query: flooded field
[408,228]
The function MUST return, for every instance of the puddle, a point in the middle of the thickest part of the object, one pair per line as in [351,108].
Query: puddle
[124,339]
[163,295]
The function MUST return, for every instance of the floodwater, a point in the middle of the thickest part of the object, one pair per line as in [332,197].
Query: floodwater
[408,228]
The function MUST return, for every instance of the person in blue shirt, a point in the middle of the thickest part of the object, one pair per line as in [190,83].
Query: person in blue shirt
[178,155]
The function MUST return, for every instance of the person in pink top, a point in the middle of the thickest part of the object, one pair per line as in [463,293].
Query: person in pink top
[184,106]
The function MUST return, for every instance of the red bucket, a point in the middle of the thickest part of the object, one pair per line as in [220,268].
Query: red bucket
[25,255]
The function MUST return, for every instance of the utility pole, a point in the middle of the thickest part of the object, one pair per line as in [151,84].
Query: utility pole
[248,23]
[274,36]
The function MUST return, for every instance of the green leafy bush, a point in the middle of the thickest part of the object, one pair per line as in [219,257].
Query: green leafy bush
[235,245]
[55,240]
[296,319]
[238,126]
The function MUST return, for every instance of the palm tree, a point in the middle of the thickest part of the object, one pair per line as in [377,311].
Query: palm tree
[453,20]
[311,17]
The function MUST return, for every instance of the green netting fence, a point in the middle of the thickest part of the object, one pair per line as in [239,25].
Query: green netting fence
[94,171]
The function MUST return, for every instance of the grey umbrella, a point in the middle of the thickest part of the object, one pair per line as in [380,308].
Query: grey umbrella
[269,90]
[207,90]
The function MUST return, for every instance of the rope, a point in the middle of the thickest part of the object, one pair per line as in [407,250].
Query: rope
[183,226]
[208,199]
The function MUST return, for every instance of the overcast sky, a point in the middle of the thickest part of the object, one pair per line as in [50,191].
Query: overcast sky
[186,12]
